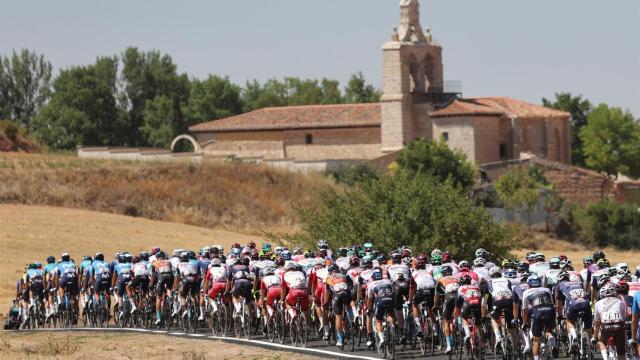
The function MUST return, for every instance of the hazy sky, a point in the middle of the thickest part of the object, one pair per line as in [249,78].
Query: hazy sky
[523,49]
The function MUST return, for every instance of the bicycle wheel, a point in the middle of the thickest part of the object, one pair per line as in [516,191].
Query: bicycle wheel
[293,331]
[223,319]
[282,326]
[355,334]
[303,329]
[585,348]
[391,343]
[246,323]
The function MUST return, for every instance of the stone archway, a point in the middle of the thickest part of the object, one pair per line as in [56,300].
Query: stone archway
[196,147]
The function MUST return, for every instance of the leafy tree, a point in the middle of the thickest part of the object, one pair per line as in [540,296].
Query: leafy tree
[25,85]
[607,223]
[520,189]
[612,141]
[436,159]
[83,107]
[257,96]
[579,109]
[303,92]
[358,91]
[331,92]
[353,174]
[405,209]
[159,121]
[211,99]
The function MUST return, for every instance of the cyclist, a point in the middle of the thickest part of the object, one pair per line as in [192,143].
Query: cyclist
[50,271]
[67,280]
[364,278]
[447,287]
[480,268]
[338,289]
[186,280]
[482,253]
[121,277]
[586,262]
[499,300]
[538,309]
[599,277]
[33,287]
[270,290]
[140,278]
[549,276]
[318,278]
[162,279]
[570,294]
[380,301]
[468,304]
[240,284]
[101,277]
[203,266]
[423,288]
[609,320]
[354,274]
[400,275]
[83,268]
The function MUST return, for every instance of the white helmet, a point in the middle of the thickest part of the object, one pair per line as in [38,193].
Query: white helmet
[479,262]
[494,271]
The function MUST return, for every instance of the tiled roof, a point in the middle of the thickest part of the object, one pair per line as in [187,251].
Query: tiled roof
[497,106]
[297,117]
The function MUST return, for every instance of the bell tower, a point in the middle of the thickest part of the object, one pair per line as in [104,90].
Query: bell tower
[412,69]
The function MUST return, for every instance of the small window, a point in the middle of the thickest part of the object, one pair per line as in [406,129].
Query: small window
[308,139]
[445,136]
[503,151]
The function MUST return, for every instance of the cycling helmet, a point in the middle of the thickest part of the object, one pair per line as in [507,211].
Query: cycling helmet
[510,274]
[554,263]
[65,257]
[291,266]
[216,263]
[266,247]
[482,253]
[531,255]
[51,259]
[436,252]
[368,247]
[623,287]
[121,259]
[523,266]
[607,291]
[479,262]
[464,264]
[267,270]
[251,244]
[32,266]
[87,258]
[154,250]
[447,270]
[99,257]
[612,271]
[406,252]
[587,260]
[184,257]
[136,259]
[603,263]
[383,258]
[161,255]
[367,262]
[505,263]
[446,257]
[177,252]
[236,251]
[333,269]
[354,261]
[323,244]
[376,274]
[286,254]
[563,276]
[255,255]
[524,276]
[128,258]
[540,257]
[421,263]
[598,254]
[534,281]
[144,256]
[465,279]
[495,272]
[396,257]
[236,246]
[309,254]
[603,280]
[343,252]
[279,261]
[563,257]
[436,260]
[622,268]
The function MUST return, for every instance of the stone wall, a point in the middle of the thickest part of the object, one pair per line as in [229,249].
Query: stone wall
[460,133]
[487,137]
[245,149]
[342,136]
[333,152]
[577,185]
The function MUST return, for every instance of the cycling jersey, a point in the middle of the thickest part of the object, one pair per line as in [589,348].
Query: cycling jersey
[216,276]
[35,279]
[423,279]
[399,272]
[611,310]
[343,263]
[381,292]
[539,268]
[448,287]
[474,277]
[549,278]
[272,284]
[575,302]
[242,282]
[483,273]
[538,301]
[101,274]
[318,277]
[295,283]
[164,271]
[140,269]
[68,276]
[84,266]
[500,299]
[469,300]
[123,273]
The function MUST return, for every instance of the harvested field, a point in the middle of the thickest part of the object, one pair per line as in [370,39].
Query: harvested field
[128,346]
[31,233]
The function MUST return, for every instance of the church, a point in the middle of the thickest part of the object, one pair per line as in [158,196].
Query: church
[414,105]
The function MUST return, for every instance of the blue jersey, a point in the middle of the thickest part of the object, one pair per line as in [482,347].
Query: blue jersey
[203,265]
[112,265]
[123,270]
[100,271]
[50,268]
[636,303]
[67,270]
[33,274]
[518,291]
[84,267]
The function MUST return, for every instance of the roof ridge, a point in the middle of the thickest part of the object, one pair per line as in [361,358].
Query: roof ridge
[313,106]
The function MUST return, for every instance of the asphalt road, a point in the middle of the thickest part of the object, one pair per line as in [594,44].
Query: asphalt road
[315,347]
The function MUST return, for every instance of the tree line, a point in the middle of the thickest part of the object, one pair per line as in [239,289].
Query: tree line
[139,98]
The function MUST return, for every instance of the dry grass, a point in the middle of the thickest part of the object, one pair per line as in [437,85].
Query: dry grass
[576,252]
[127,346]
[31,233]
[240,197]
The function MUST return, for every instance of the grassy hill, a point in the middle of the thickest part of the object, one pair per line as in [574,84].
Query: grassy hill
[14,138]
[240,197]
[31,233]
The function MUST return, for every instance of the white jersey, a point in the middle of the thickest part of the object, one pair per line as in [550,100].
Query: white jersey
[500,289]
[538,296]
[550,277]
[343,263]
[295,279]
[634,287]
[218,273]
[424,279]
[399,270]
[271,281]
[610,310]
[483,273]
[140,269]
[174,261]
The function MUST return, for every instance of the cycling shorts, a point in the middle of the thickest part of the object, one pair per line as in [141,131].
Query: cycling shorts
[244,288]
[318,296]
[165,282]
[383,307]
[471,310]
[294,295]
[142,281]
[574,310]
[217,288]
[189,284]
[340,300]
[100,286]
[615,331]
[500,308]
[424,296]
[400,292]
[449,305]
[273,294]
[37,288]
[122,284]
[70,285]
[542,317]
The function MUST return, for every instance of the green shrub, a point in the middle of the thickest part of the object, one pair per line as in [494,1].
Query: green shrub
[352,174]
[405,209]
[11,129]
[607,223]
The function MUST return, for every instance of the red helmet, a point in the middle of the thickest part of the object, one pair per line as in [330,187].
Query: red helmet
[280,261]
[236,246]
[406,253]
[354,261]
[251,244]
[563,257]
[446,257]
[623,287]
[154,250]
[136,259]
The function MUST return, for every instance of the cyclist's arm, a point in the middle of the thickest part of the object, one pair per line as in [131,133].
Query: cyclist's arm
[635,314]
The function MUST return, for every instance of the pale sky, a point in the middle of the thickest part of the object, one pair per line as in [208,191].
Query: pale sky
[523,49]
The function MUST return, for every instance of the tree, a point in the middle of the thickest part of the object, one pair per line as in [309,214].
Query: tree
[257,96]
[612,141]
[211,99]
[409,209]
[331,92]
[82,110]
[579,109]
[159,121]
[520,188]
[436,159]
[358,91]
[25,85]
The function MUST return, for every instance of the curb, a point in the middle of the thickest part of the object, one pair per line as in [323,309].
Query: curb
[255,343]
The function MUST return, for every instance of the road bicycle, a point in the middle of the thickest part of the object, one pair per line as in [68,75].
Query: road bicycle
[298,325]
[67,315]
[190,314]
[218,318]
[506,350]
[473,348]
[581,347]
[241,319]
[387,350]
[101,310]
[427,341]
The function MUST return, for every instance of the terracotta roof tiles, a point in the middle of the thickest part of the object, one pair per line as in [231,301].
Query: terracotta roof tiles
[498,106]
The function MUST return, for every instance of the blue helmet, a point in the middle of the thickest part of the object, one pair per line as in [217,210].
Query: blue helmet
[510,273]
[534,281]
[286,254]
[376,274]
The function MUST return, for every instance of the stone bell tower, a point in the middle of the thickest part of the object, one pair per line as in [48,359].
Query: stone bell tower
[412,71]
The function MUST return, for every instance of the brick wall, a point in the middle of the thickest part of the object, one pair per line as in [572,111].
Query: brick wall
[487,138]
[580,186]
[266,149]
[363,135]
